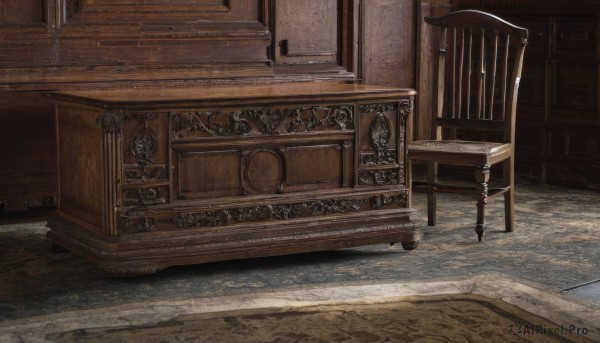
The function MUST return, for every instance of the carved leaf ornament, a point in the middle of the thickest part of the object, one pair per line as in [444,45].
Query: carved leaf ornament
[288,211]
[263,121]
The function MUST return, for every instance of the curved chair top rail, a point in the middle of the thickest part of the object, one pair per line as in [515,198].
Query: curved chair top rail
[478,19]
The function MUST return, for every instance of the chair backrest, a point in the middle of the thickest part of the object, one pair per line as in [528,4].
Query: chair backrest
[478,73]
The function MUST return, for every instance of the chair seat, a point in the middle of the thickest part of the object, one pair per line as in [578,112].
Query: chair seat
[455,151]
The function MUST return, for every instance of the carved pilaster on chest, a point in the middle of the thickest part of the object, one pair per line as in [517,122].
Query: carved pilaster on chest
[111,122]
[382,141]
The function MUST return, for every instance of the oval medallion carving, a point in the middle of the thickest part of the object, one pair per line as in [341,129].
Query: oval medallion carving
[143,144]
[264,171]
[380,131]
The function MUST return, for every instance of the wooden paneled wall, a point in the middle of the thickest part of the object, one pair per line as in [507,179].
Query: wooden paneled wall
[426,56]
[85,44]
[104,40]
[388,47]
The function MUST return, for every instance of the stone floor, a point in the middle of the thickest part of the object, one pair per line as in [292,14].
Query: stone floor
[555,247]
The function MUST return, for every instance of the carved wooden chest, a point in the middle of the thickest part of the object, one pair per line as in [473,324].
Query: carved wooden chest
[155,178]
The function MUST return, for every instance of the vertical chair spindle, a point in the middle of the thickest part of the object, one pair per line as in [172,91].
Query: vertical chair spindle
[460,71]
[469,72]
[481,79]
[493,78]
[505,76]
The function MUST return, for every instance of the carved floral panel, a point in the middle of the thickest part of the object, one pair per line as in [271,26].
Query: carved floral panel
[266,121]
[282,211]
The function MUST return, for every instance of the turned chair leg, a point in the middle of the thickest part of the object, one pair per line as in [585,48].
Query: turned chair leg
[509,196]
[482,177]
[432,170]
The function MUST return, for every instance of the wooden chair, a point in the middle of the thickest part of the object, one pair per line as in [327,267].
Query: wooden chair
[478,73]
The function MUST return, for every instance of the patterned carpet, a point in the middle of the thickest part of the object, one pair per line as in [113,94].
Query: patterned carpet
[555,246]
[448,318]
